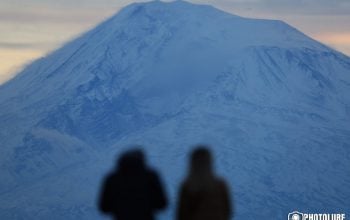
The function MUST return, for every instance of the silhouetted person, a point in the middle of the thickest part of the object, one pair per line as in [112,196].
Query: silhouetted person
[133,191]
[203,196]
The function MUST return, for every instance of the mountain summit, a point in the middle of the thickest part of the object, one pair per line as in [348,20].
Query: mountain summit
[272,102]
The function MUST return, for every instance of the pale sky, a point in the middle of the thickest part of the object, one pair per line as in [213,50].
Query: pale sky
[29,29]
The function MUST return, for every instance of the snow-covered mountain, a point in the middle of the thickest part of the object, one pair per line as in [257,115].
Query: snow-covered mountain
[273,103]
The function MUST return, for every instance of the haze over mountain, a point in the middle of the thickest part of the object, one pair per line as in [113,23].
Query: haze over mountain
[273,103]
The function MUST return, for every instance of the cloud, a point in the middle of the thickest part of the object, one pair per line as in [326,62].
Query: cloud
[23,46]
[296,7]
[53,15]
[334,7]
[14,60]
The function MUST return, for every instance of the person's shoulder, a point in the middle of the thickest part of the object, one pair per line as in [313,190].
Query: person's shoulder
[111,177]
[152,173]
[221,182]
[185,187]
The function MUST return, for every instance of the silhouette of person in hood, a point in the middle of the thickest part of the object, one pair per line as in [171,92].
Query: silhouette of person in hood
[203,196]
[133,191]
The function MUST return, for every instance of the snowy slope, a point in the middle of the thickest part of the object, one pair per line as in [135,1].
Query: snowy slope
[272,102]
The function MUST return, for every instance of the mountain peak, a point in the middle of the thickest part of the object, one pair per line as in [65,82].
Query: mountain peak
[178,7]
[158,3]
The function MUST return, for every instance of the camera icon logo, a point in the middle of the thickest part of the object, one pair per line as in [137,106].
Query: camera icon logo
[295,216]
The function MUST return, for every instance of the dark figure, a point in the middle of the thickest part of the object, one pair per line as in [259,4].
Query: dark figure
[203,196]
[133,191]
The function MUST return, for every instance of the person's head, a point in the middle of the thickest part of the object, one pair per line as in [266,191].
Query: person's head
[131,160]
[201,161]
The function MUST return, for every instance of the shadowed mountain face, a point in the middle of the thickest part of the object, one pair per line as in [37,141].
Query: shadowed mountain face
[273,103]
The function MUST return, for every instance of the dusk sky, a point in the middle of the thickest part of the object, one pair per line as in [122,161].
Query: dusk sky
[30,29]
